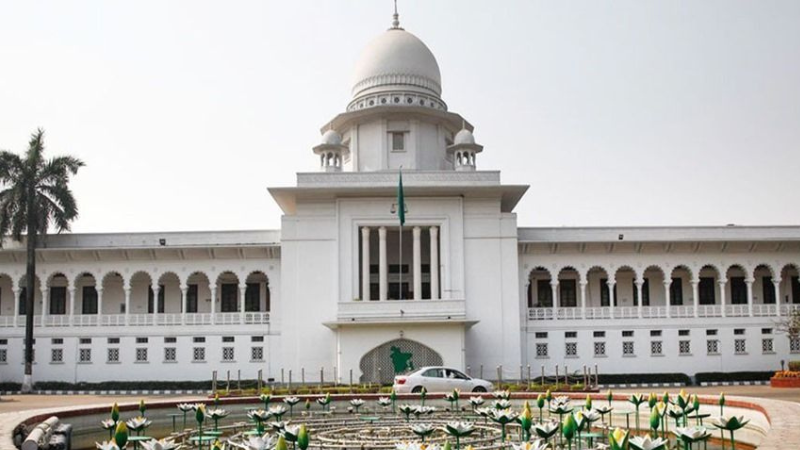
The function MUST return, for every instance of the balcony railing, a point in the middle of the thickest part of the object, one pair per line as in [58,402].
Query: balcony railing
[658,312]
[393,310]
[134,320]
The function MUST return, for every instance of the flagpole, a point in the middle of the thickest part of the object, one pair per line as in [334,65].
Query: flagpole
[400,268]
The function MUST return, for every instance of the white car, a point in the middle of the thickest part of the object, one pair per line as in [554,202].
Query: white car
[439,379]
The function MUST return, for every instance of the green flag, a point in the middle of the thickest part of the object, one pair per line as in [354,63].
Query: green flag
[401,204]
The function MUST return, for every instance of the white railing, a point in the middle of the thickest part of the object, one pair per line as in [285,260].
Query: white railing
[451,309]
[227,318]
[540,313]
[168,319]
[57,320]
[7,321]
[681,312]
[603,312]
[569,313]
[113,320]
[709,311]
[256,318]
[626,312]
[654,312]
[764,310]
[737,310]
[140,319]
[198,319]
[85,320]
[789,309]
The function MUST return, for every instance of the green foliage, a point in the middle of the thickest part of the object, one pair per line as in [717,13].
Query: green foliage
[794,366]
[707,377]
[640,378]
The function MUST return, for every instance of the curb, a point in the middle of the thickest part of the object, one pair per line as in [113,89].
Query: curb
[735,383]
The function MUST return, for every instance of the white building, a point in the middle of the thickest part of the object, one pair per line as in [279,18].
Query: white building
[328,291]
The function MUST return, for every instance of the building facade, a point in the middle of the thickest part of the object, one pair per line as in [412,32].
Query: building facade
[343,292]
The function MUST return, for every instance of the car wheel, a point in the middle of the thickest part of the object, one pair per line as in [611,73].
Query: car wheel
[416,390]
[479,389]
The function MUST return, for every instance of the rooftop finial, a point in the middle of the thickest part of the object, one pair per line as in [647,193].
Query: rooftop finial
[395,17]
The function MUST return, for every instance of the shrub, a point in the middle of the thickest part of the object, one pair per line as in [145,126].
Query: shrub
[794,366]
[639,378]
[707,377]
[9,386]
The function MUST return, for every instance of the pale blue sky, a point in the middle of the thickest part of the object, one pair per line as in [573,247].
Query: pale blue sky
[616,113]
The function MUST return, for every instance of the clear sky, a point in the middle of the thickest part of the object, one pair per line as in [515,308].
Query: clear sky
[615,113]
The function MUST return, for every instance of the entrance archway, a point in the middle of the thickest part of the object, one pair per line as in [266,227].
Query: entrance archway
[383,362]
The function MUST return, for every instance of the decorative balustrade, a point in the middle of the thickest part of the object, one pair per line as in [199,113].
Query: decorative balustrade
[737,310]
[603,312]
[765,310]
[654,312]
[709,311]
[134,320]
[448,309]
[657,312]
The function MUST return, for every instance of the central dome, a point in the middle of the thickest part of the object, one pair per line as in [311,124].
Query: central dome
[397,61]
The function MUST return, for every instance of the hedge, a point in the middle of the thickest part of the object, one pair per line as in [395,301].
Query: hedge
[9,386]
[126,386]
[641,378]
[708,377]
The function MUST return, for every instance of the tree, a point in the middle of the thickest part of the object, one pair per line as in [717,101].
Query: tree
[35,195]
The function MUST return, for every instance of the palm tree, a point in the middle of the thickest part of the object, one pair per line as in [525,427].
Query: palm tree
[35,194]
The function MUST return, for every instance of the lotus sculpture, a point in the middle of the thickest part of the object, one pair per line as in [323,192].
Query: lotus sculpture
[109,425]
[690,435]
[325,401]
[538,444]
[501,395]
[357,403]
[476,402]
[636,400]
[618,439]
[265,442]
[503,417]
[731,424]
[185,408]
[546,430]
[458,430]
[303,437]
[385,402]
[525,420]
[265,398]
[501,404]
[291,401]
[291,433]
[452,398]
[160,444]
[138,424]
[406,410]
[422,430]
[259,416]
[277,411]
[121,434]
[215,415]
[106,445]
[568,429]
[647,443]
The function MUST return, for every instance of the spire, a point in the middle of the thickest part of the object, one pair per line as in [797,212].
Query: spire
[395,17]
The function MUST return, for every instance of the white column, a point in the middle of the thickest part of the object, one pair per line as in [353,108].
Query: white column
[127,290]
[365,276]
[184,302]
[434,263]
[382,264]
[45,306]
[696,296]
[722,285]
[99,304]
[156,291]
[213,289]
[16,293]
[667,285]
[242,291]
[554,290]
[416,232]
[639,304]
[749,283]
[612,298]
[71,305]
[776,282]
[583,284]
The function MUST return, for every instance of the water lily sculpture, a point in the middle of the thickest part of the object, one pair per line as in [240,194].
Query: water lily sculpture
[459,430]
[423,430]
[265,442]
[655,421]
[476,402]
[721,402]
[281,444]
[618,439]
[406,410]
[384,401]
[652,400]
[690,435]
[502,395]
[580,424]
[588,404]
[546,430]
[215,415]
[217,445]
[423,410]
[540,404]
[560,408]
[142,407]
[115,413]
[452,398]
[568,429]
[290,433]
[603,410]
[502,404]
[503,417]
[265,398]
[538,444]
[291,401]
[159,444]
[731,424]
[636,400]
[357,403]
[325,401]
[278,426]
[259,416]
[109,425]
[302,437]
[138,424]
[526,421]
[106,445]
[277,411]
[646,443]
[423,392]
[185,408]
[121,434]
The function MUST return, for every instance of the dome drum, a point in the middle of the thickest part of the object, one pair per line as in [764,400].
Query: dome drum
[397,98]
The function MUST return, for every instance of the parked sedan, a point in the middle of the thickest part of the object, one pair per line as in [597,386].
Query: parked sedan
[439,379]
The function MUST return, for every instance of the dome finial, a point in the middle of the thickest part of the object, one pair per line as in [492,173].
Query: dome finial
[395,17]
